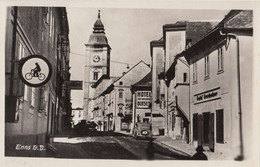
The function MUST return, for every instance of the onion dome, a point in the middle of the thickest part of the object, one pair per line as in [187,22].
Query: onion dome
[98,36]
[98,26]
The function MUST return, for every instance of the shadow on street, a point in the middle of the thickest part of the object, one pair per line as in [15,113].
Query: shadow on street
[93,134]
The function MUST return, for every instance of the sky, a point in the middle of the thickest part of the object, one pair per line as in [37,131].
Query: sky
[129,33]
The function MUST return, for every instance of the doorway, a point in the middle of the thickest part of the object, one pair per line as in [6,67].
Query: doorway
[208,130]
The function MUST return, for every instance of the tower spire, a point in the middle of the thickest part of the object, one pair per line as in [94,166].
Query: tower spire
[98,14]
[98,26]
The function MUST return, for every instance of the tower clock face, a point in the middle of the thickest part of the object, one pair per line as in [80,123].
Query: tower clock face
[96,59]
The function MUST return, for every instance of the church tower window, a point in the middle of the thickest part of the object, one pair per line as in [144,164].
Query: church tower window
[95,75]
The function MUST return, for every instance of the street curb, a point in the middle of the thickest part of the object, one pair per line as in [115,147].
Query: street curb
[51,150]
[172,149]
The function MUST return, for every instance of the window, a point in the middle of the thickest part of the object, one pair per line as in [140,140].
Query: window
[95,75]
[50,21]
[79,114]
[207,66]
[220,126]
[195,72]
[220,59]
[120,109]
[162,101]
[121,83]
[120,94]
[33,96]
[26,92]
[42,99]
[145,120]
[195,127]
[21,51]
[185,77]
[173,121]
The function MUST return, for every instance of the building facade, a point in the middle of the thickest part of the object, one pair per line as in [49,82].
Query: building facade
[221,86]
[32,115]
[170,74]
[178,37]
[97,63]
[77,116]
[107,99]
[158,85]
[112,104]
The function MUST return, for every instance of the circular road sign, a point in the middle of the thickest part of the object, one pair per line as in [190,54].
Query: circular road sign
[35,70]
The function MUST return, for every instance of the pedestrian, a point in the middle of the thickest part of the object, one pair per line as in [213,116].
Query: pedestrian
[150,150]
[199,155]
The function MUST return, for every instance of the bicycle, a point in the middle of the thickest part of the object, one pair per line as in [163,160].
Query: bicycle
[30,75]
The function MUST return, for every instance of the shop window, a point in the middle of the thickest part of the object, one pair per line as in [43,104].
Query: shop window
[206,65]
[195,72]
[195,127]
[220,59]
[220,126]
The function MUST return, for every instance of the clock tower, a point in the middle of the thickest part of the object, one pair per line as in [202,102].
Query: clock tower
[97,63]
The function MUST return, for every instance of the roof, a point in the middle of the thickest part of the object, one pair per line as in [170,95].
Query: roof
[158,41]
[130,70]
[146,81]
[235,21]
[195,30]
[115,79]
[244,19]
[98,36]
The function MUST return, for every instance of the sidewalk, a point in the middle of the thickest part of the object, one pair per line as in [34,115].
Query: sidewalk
[183,148]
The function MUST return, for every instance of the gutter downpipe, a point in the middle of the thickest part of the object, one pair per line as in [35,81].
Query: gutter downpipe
[241,156]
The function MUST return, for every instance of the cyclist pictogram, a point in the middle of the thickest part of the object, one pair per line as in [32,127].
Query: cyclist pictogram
[35,70]
[35,73]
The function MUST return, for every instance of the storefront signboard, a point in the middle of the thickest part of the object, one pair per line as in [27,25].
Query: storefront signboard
[208,95]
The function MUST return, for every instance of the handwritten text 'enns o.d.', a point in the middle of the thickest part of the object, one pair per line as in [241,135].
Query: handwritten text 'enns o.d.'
[30,147]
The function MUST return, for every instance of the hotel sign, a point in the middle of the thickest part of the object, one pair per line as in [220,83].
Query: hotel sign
[209,95]
[143,99]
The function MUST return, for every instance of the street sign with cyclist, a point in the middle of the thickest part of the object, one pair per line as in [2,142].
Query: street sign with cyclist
[35,70]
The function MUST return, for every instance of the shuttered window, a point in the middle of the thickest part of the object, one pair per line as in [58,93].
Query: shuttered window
[195,126]
[220,126]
